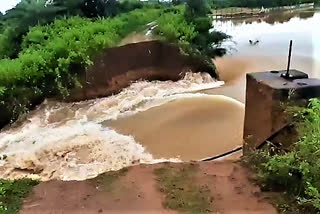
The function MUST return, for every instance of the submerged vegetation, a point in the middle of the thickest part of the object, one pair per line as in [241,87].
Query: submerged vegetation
[46,60]
[297,172]
[12,193]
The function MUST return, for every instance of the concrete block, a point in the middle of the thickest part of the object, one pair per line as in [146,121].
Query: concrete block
[265,95]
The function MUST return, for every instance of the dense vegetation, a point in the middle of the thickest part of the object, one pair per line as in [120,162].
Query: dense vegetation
[28,13]
[257,3]
[52,55]
[12,193]
[45,60]
[297,172]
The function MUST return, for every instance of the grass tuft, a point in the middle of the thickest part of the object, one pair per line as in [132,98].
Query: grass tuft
[181,191]
[295,173]
[105,181]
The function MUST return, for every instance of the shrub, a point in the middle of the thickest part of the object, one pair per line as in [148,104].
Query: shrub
[12,193]
[127,5]
[51,55]
[174,28]
[203,24]
[298,172]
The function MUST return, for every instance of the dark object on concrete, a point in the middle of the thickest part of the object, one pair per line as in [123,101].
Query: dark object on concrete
[267,96]
[287,75]
[117,67]
[223,155]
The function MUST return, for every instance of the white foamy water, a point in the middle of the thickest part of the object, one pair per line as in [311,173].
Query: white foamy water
[66,140]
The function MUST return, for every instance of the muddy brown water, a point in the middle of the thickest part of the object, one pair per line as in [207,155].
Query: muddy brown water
[148,122]
[196,128]
[189,128]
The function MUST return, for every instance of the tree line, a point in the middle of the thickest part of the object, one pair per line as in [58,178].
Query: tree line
[257,3]
[43,44]
[15,23]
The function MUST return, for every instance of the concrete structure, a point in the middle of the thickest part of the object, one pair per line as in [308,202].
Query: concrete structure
[267,96]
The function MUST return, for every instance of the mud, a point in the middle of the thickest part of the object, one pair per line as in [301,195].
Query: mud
[138,192]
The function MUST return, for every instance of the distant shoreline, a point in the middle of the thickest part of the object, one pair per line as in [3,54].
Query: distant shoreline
[241,12]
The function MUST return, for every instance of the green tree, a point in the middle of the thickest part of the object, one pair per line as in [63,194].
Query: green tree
[112,8]
[127,5]
[176,2]
[196,8]
[206,42]
[71,7]
[18,20]
[93,8]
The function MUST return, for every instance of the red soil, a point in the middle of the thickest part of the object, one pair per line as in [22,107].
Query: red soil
[137,192]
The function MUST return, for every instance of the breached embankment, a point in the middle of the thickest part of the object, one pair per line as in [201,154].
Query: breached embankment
[116,68]
[148,121]
[67,141]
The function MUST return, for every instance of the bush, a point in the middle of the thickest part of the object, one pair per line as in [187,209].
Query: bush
[206,43]
[8,44]
[202,24]
[51,56]
[127,5]
[15,24]
[12,193]
[196,8]
[298,172]
[174,28]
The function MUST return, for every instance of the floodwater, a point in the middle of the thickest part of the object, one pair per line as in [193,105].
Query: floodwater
[149,122]
[273,32]
[188,128]
[70,141]
[197,128]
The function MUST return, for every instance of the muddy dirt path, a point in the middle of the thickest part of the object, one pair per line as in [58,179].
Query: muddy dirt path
[137,191]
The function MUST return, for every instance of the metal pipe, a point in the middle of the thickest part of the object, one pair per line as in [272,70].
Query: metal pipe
[223,155]
[289,60]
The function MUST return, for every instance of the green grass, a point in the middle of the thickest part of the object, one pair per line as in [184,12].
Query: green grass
[55,55]
[296,173]
[106,181]
[181,191]
[12,194]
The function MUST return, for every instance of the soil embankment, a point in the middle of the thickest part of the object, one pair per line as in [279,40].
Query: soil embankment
[118,67]
[137,191]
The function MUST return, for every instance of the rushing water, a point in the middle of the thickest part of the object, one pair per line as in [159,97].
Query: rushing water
[157,121]
[68,141]
[197,128]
